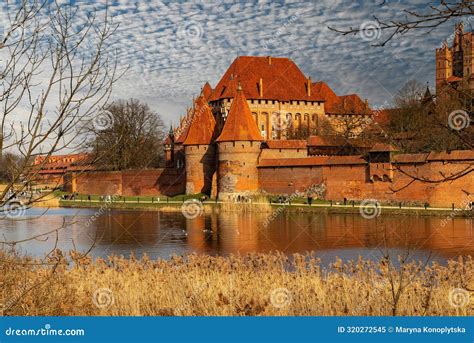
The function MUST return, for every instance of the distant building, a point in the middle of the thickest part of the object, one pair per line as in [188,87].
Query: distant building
[454,64]
[50,170]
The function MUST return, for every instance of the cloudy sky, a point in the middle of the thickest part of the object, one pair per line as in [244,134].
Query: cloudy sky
[172,48]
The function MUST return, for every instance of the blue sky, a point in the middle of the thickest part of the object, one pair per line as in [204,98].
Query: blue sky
[173,48]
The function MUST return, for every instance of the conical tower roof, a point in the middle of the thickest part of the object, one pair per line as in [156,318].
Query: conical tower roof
[202,126]
[240,124]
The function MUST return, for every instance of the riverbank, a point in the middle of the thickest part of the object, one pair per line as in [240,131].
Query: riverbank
[226,286]
[166,205]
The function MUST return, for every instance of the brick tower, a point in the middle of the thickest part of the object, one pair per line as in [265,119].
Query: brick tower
[199,150]
[444,60]
[239,148]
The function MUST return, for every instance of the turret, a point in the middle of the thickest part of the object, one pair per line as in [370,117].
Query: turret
[169,148]
[238,149]
[199,150]
[444,60]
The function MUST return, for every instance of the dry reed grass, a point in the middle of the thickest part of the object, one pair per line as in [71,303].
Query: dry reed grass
[256,284]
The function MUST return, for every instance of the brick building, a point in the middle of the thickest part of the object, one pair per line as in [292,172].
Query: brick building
[455,64]
[230,142]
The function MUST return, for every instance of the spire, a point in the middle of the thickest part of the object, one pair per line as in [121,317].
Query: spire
[427,98]
[240,124]
[206,91]
[202,126]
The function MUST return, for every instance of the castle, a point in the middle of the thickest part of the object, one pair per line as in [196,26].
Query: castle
[239,139]
[455,64]
[257,102]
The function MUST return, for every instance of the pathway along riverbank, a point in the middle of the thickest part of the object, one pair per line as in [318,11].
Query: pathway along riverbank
[153,204]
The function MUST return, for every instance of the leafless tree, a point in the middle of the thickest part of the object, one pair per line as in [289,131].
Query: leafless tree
[130,136]
[433,16]
[56,72]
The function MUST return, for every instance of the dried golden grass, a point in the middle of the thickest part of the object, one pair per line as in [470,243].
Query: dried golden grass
[256,284]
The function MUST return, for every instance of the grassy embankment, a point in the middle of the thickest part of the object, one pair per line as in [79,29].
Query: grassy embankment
[260,203]
[259,284]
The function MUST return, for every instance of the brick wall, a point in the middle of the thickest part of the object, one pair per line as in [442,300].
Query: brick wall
[353,182]
[166,181]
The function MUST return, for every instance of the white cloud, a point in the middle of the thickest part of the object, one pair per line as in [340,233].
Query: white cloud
[173,48]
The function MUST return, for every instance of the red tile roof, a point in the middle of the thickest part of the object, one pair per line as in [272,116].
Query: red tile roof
[337,141]
[281,79]
[382,147]
[206,91]
[202,126]
[286,144]
[344,104]
[168,140]
[326,141]
[240,124]
[352,104]
[325,92]
[182,130]
[313,161]
[382,116]
[453,78]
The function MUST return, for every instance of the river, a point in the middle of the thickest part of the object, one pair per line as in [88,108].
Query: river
[162,234]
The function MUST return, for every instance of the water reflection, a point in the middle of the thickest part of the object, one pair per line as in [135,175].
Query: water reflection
[163,234]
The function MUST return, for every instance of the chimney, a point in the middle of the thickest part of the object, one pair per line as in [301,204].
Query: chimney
[308,87]
[239,87]
[270,60]
[366,101]
[260,87]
